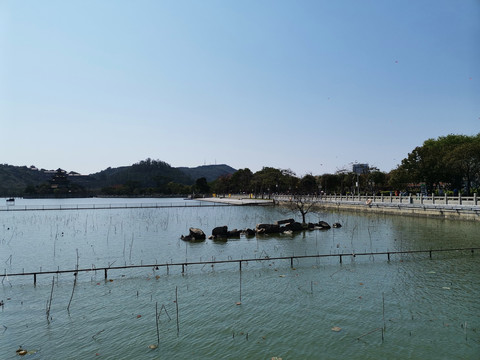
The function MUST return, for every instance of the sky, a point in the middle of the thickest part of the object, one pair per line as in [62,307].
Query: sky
[310,86]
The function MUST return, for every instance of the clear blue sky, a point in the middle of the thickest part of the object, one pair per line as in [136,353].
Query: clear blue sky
[310,86]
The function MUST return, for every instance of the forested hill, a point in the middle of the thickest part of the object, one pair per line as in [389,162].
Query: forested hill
[14,179]
[154,174]
[146,173]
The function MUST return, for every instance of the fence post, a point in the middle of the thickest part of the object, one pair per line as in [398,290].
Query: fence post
[433,198]
[446,199]
[459,199]
[421,199]
[475,199]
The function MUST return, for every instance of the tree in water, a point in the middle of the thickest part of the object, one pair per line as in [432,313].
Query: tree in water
[303,205]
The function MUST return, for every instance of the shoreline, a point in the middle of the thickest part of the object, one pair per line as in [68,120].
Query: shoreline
[468,213]
[237,201]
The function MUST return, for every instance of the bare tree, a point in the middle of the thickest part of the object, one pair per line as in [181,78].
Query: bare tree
[301,204]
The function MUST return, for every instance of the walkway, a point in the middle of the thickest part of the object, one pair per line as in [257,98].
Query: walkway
[237,201]
[466,208]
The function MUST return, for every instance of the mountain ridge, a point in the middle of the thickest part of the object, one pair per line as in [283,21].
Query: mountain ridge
[18,180]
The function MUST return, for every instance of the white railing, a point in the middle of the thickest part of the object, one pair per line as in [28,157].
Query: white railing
[410,199]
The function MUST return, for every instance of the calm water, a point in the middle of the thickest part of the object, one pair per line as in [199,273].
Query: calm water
[430,307]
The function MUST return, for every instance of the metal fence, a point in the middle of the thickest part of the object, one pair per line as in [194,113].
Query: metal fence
[239,262]
[14,207]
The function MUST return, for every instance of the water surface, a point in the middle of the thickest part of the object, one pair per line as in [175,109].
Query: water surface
[428,308]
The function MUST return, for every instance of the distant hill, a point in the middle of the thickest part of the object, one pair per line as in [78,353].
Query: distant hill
[210,172]
[148,173]
[156,173]
[14,179]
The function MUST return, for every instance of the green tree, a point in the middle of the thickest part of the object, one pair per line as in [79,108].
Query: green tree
[201,186]
[30,190]
[330,183]
[288,182]
[377,180]
[451,160]
[241,181]
[308,185]
[222,185]
[178,189]
[464,160]
[267,180]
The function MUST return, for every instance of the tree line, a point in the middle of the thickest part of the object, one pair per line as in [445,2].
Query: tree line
[449,164]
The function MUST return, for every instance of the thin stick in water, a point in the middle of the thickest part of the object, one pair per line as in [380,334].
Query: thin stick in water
[73,290]
[368,333]
[240,282]
[131,246]
[74,283]
[98,333]
[50,301]
[156,322]
[166,312]
[176,304]
[383,311]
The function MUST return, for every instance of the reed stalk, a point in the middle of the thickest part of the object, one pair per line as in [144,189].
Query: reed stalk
[50,300]
[73,290]
[156,322]
[383,311]
[176,305]
[240,281]
[74,282]
[370,332]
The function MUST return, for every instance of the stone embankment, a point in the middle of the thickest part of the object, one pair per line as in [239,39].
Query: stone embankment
[462,208]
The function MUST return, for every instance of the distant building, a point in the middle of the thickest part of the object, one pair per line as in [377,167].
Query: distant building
[59,180]
[360,169]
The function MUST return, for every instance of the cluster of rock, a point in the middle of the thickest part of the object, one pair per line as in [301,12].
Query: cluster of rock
[222,232]
[195,234]
[288,226]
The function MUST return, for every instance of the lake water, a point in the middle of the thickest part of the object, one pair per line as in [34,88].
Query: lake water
[429,308]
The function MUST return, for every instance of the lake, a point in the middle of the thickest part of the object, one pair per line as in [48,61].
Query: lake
[365,307]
